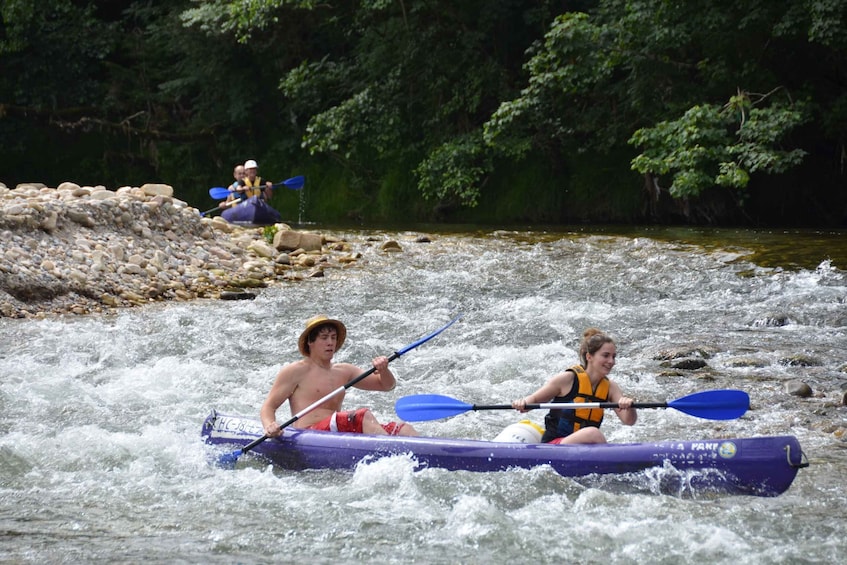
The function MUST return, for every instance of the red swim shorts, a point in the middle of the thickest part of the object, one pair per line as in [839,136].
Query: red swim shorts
[352,422]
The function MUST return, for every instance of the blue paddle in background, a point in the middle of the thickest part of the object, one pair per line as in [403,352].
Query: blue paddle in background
[228,460]
[710,404]
[294,183]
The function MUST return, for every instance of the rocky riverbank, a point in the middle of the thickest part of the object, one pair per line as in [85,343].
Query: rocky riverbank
[82,250]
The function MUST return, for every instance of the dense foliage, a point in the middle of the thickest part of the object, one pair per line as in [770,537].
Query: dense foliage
[494,111]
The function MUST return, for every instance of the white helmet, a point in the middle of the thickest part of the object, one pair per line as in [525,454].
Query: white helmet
[250,164]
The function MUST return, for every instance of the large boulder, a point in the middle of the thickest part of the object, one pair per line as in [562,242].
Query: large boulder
[289,240]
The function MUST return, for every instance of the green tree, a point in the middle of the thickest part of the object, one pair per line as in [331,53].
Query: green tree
[384,84]
[602,78]
[126,92]
[428,107]
[714,145]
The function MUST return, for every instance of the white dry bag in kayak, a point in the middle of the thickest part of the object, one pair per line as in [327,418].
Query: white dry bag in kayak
[524,431]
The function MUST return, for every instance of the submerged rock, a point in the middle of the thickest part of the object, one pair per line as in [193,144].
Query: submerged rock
[798,388]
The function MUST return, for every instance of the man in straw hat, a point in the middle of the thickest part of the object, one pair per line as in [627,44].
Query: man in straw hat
[306,381]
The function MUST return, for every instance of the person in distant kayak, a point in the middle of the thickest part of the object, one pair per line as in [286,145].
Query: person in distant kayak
[588,382]
[253,184]
[238,175]
[306,381]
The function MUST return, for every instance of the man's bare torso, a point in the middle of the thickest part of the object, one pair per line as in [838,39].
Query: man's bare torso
[314,382]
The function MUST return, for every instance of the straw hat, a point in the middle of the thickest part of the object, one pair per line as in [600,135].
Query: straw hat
[316,321]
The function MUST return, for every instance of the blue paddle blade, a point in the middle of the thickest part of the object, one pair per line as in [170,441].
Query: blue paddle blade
[219,193]
[295,183]
[714,404]
[228,460]
[422,407]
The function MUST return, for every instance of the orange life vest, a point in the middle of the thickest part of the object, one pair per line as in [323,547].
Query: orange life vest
[562,423]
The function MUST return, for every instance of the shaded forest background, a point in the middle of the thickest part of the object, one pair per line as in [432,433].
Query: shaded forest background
[493,112]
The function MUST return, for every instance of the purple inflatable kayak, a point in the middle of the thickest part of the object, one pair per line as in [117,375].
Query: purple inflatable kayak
[252,212]
[759,466]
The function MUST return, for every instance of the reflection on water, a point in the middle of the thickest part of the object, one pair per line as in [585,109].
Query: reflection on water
[101,457]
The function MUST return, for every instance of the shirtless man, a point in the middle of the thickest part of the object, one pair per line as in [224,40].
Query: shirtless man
[304,382]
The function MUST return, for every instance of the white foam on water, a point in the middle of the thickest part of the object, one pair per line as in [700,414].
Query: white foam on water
[101,457]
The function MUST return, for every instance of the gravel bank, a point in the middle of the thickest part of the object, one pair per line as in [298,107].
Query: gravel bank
[84,250]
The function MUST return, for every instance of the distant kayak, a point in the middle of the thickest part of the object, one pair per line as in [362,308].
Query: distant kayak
[759,466]
[252,212]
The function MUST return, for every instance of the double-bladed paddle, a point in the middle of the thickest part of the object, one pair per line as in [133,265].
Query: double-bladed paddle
[709,404]
[228,460]
[294,183]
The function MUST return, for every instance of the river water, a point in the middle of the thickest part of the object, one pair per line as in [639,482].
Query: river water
[101,459]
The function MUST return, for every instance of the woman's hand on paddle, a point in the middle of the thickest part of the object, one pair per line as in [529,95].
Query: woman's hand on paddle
[520,405]
[625,403]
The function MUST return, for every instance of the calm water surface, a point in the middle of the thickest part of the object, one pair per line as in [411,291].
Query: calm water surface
[101,459]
